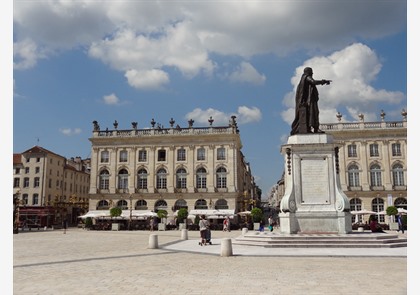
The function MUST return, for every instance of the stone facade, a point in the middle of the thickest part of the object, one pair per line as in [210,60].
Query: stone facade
[169,168]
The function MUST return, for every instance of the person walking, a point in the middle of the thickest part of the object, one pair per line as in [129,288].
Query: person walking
[400,223]
[270,223]
[64,225]
[226,224]
[152,224]
[203,226]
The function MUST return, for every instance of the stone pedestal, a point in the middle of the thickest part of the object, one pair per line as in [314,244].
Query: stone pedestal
[313,199]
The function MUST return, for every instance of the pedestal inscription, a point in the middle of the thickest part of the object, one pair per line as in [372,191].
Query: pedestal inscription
[315,184]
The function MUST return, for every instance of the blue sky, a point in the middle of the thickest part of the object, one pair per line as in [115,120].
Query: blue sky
[79,61]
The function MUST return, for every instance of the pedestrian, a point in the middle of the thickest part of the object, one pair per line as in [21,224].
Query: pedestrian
[151,223]
[226,224]
[64,225]
[262,225]
[400,223]
[270,223]
[203,226]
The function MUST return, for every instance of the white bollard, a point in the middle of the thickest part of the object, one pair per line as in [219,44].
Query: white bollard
[244,231]
[153,241]
[184,234]
[226,248]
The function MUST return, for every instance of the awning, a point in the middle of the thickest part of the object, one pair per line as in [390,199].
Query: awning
[213,214]
[96,214]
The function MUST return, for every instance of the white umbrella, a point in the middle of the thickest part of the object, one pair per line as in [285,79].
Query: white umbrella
[402,210]
[244,213]
[362,212]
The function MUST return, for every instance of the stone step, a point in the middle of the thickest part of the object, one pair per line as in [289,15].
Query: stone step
[321,245]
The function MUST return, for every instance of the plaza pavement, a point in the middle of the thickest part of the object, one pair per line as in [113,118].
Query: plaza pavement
[121,262]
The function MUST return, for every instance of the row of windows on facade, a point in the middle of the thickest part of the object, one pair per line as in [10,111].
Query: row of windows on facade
[37,171]
[374,150]
[378,205]
[35,199]
[181,203]
[181,155]
[38,159]
[161,178]
[58,184]
[376,175]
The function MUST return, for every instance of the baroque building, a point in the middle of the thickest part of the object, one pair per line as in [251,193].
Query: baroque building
[157,168]
[46,184]
[373,164]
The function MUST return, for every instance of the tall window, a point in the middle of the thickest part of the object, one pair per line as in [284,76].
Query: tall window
[142,156]
[35,199]
[16,182]
[36,182]
[104,179]
[396,149]
[201,178]
[162,155]
[26,182]
[375,175]
[356,205]
[25,199]
[374,150]
[201,154]
[378,206]
[221,177]
[353,176]
[123,179]
[398,175]
[142,179]
[104,157]
[123,156]
[37,169]
[27,170]
[181,154]
[352,150]
[221,153]
[181,178]
[161,179]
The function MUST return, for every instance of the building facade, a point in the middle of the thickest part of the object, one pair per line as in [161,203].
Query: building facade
[373,164]
[160,168]
[42,178]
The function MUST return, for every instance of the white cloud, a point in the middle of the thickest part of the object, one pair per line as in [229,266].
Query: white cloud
[70,131]
[26,54]
[152,79]
[247,73]
[352,71]
[111,99]
[244,115]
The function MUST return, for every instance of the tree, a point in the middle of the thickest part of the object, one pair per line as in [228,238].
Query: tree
[182,214]
[391,211]
[162,214]
[115,211]
[256,214]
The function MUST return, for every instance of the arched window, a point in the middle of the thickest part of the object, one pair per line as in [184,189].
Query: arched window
[142,179]
[123,179]
[353,176]
[401,203]
[102,205]
[161,205]
[356,205]
[375,175]
[378,206]
[398,175]
[141,205]
[181,203]
[200,204]
[104,179]
[122,204]
[221,177]
[201,178]
[181,178]
[221,204]
[161,179]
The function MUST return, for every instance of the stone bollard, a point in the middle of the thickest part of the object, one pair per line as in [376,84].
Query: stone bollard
[226,248]
[153,241]
[184,234]
[244,231]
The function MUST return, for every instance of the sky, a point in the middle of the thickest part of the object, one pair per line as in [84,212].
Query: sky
[79,61]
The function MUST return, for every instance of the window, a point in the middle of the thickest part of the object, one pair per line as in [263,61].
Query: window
[26,182]
[374,150]
[221,204]
[181,154]
[161,179]
[181,203]
[122,204]
[25,199]
[27,160]
[17,170]
[181,178]
[396,149]
[142,179]
[36,182]
[221,177]
[375,175]
[353,176]
[35,199]
[201,204]
[123,156]
[356,205]
[104,179]
[352,150]
[201,154]
[103,205]
[142,156]
[49,183]
[16,182]
[221,154]
[123,179]
[398,175]
[161,155]
[201,178]
[27,170]
[36,169]
[141,205]
[104,157]
[378,206]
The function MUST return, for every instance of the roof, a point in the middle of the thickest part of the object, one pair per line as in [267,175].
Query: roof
[17,159]
[40,150]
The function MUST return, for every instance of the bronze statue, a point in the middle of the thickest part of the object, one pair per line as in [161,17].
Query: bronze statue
[307,112]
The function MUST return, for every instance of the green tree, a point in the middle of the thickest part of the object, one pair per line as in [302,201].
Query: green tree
[162,214]
[391,210]
[182,214]
[256,214]
[115,211]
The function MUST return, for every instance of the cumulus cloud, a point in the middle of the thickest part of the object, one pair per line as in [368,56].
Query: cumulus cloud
[70,131]
[244,115]
[148,37]
[111,99]
[352,71]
